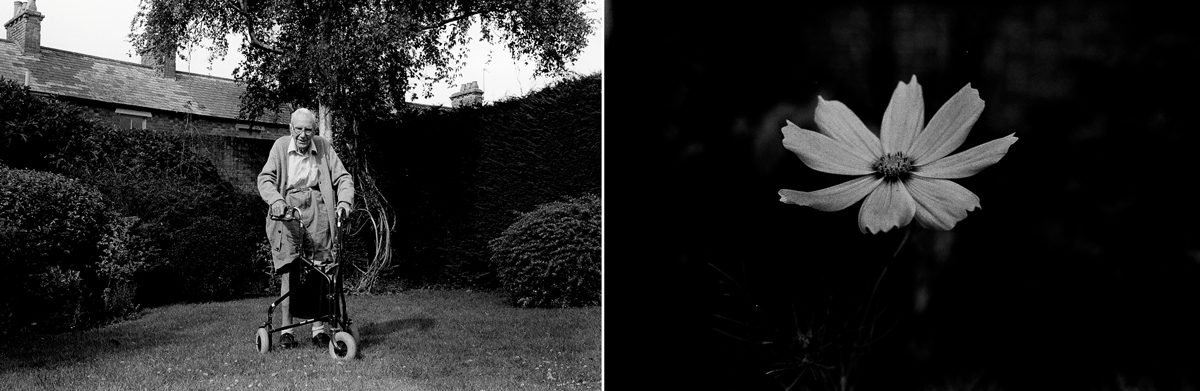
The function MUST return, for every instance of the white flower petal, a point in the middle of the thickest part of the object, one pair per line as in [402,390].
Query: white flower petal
[940,203]
[823,153]
[837,121]
[969,162]
[904,117]
[948,127]
[832,198]
[888,206]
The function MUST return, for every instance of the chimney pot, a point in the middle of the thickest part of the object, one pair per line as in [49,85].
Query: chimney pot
[165,66]
[25,27]
[468,95]
[169,65]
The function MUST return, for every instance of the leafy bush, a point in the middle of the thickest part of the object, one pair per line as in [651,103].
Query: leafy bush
[550,257]
[34,129]
[59,298]
[212,258]
[50,226]
[48,219]
[268,282]
[125,255]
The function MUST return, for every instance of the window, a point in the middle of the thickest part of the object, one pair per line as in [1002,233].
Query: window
[248,128]
[132,119]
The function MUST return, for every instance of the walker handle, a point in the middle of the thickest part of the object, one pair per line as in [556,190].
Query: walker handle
[289,214]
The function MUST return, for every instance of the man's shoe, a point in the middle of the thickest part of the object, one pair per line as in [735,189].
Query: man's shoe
[287,341]
[320,340]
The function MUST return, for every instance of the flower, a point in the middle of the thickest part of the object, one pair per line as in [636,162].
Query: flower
[905,172]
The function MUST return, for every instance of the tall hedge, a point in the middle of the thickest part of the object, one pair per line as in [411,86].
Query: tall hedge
[459,177]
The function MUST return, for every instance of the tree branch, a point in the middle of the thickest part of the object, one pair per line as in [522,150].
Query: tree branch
[244,9]
[455,19]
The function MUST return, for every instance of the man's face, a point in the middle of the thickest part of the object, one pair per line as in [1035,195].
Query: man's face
[303,129]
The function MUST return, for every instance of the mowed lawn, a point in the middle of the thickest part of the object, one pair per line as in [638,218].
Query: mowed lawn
[416,340]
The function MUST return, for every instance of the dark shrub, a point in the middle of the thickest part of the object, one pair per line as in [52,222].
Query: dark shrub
[48,219]
[268,282]
[59,299]
[50,226]
[125,255]
[33,129]
[550,257]
[211,258]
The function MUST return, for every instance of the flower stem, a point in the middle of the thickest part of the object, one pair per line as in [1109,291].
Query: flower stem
[874,289]
[864,328]
[907,232]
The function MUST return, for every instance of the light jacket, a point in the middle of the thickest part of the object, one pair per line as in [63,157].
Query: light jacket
[272,183]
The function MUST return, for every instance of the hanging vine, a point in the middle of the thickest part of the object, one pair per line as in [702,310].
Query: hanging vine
[373,211]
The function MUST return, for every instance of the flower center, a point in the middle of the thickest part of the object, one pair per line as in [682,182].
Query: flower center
[893,166]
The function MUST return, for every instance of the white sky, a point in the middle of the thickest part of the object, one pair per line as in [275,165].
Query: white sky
[101,28]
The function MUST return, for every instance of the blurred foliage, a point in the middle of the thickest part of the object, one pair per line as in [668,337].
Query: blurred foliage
[550,257]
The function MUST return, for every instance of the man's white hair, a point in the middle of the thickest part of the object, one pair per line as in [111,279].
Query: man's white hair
[304,112]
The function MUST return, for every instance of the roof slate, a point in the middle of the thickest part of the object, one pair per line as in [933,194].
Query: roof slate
[59,72]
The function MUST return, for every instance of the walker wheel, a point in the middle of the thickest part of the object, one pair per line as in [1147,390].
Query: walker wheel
[262,340]
[343,346]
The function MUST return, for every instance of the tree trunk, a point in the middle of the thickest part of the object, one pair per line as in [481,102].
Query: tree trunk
[370,205]
[324,118]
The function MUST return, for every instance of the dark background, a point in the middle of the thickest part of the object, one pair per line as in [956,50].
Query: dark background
[1079,272]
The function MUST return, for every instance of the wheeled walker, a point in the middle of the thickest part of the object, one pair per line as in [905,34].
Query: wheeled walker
[317,296]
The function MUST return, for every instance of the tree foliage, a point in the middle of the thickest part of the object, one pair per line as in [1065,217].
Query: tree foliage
[359,55]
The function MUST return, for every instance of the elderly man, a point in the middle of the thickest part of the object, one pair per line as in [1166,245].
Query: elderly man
[304,172]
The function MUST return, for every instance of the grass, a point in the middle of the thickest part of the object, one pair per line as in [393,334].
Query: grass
[416,340]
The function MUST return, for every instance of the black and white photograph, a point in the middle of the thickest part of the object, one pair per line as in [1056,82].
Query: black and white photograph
[903,195]
[301,195]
